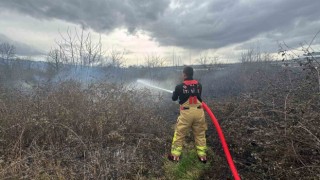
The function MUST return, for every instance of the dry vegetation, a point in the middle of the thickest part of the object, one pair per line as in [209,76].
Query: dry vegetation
[63,130]
[111,131]
[273,132]
[67,132]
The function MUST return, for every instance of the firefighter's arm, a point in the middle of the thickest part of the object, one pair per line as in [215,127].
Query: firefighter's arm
[175,94]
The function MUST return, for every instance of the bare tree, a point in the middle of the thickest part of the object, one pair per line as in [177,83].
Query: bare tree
[254,54]
[55,59]
[309,61]
[77,49]
[7,51]
[204,59]
[247,56]
[117,57]
[215,60]
[154,60]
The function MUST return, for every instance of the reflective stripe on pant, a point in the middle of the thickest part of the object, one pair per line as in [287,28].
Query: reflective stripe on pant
[193,118]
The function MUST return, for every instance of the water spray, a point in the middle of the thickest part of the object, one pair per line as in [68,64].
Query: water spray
[217,126]
[146,83]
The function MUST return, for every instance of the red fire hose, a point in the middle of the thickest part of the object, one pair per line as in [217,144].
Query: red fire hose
[223,142]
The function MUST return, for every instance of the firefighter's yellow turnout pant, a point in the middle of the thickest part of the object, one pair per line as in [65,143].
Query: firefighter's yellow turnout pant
[191,116]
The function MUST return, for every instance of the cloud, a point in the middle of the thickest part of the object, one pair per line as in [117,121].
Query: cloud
[215,24]
[207,24]
[100,15]
[21,48]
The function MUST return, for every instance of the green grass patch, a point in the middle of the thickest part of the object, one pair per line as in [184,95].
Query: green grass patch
[189,167]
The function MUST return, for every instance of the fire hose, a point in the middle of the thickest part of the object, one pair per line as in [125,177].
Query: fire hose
[223,142]
[217,126]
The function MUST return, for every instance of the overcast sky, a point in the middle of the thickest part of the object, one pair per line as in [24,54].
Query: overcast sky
[188,28]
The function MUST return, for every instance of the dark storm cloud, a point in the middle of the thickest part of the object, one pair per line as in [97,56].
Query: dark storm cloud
[20,48]
[215,24]
[100,15]
[186,23]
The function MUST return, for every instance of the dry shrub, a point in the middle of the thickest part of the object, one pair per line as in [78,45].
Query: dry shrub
[268,141]
[70,132]
[110,131]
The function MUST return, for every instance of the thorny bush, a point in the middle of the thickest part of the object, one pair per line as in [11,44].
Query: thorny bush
[273,132]
[69,132]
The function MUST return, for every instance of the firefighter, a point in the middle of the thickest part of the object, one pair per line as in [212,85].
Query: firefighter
[191,116]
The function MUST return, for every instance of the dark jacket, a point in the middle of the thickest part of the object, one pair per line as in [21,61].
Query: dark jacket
[178,93]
